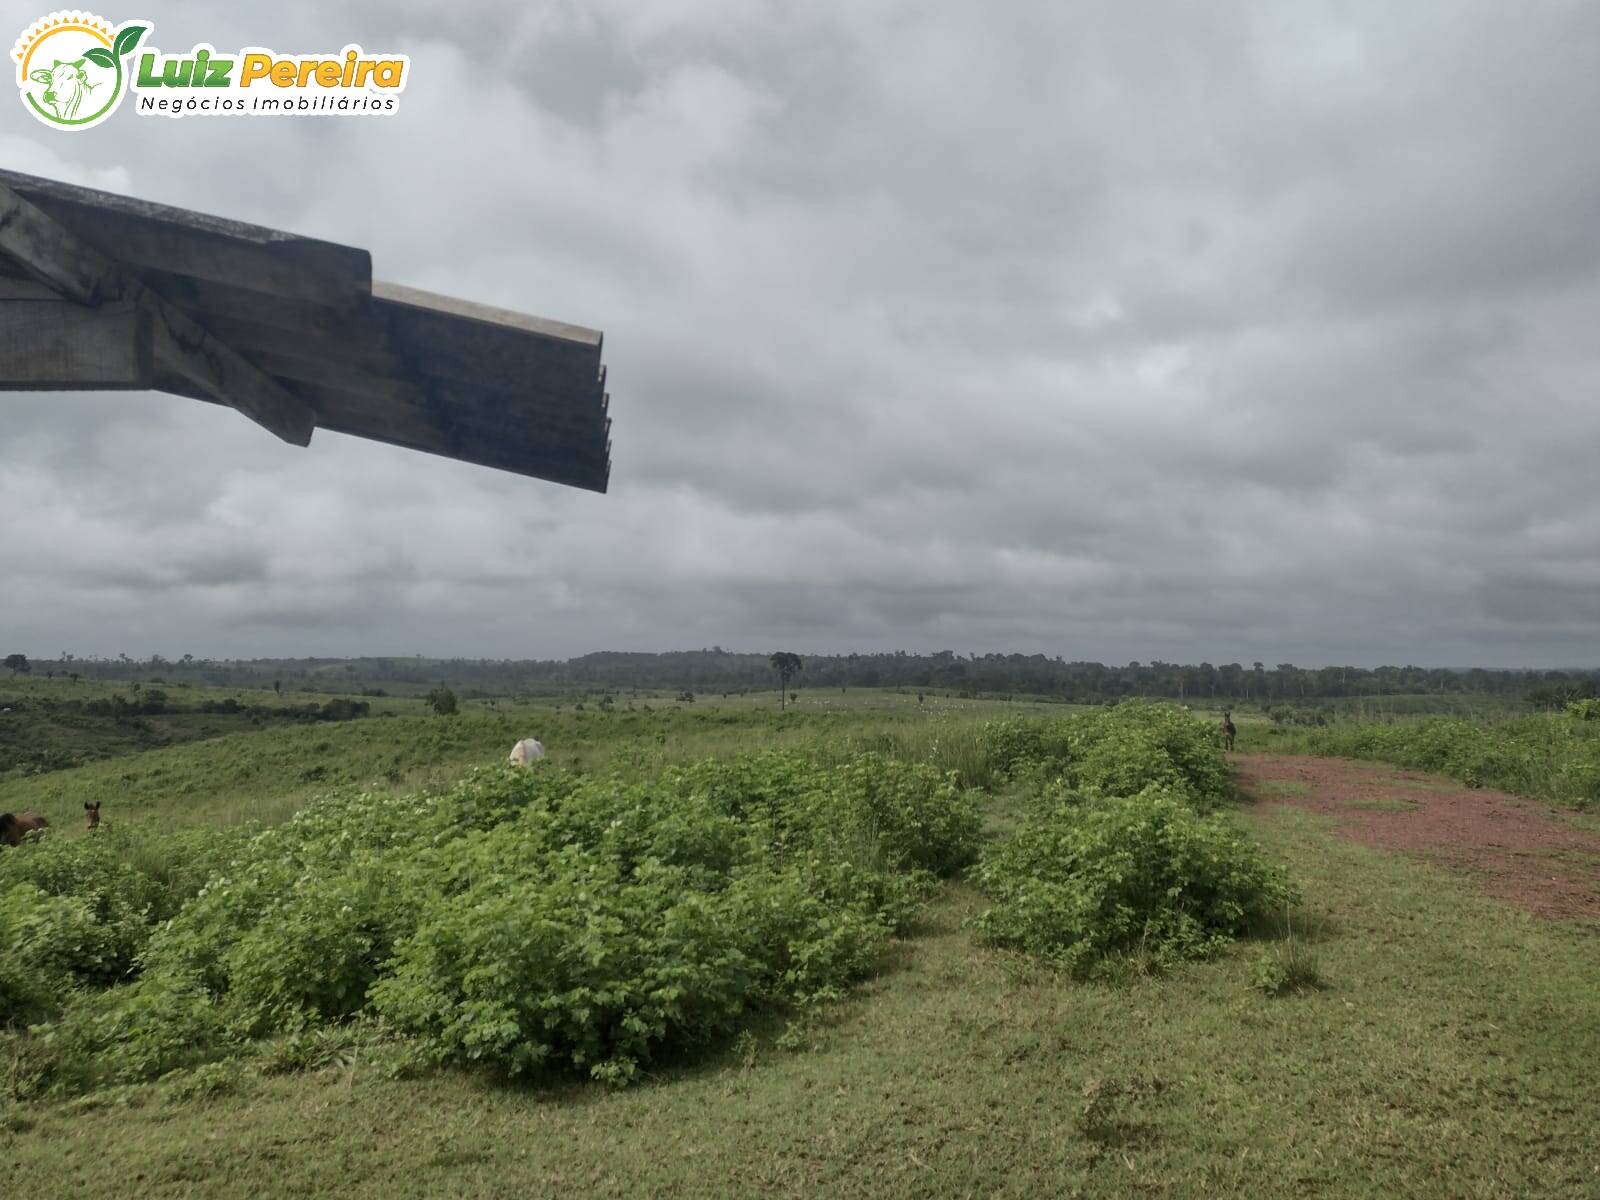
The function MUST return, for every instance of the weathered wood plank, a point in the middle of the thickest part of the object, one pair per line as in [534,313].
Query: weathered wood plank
[444,342]
[487,314]
[306,342]
[292,332]
[412,430]
[431,424]
[12,288]
[292,320]
[52,255]
[550,466]
[48,345]
[185,348]
[533,400]
[528,442]
[140,235]
[347,349]
[81,273]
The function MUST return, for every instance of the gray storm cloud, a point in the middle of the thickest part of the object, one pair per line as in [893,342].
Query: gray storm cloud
[1114,331]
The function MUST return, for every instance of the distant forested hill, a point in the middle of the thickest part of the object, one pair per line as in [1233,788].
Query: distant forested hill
[722,670]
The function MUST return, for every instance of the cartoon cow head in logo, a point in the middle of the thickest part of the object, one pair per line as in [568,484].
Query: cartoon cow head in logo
[67,87]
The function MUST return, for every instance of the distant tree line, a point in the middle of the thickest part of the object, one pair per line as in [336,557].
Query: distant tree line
[717,670]
[153,702]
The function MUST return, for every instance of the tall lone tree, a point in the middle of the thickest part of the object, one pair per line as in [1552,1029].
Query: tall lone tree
[19,664]
[787,664]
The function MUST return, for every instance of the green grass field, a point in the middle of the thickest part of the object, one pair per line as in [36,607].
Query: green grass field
[1449,1054]
[1552,756]
[265,773]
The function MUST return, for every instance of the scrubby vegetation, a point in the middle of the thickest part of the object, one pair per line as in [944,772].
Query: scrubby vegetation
[530,919]
[80,912]
[1116,751]
[328,1003]
[521,919]
[1554,756]
[54,727]
[1088,878]
[1120,856]
[1585,710]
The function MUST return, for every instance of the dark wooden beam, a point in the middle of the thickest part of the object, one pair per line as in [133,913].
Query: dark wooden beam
[14,288]
[293,332]
[52,255]
[185,348]
[48,345]
[478,341]
[79,272]
[555,466]
[143,236]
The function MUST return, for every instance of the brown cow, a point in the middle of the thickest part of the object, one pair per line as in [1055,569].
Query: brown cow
[92,813]
[15,827]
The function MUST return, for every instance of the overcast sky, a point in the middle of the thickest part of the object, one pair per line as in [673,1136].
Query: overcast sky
[1115,330]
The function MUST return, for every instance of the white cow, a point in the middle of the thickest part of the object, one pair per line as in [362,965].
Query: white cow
[525,752]
[68,86]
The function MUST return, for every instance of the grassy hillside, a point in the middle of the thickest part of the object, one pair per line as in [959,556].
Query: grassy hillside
[1446,1054]
[1446,1058]
[52,725]
[265,772]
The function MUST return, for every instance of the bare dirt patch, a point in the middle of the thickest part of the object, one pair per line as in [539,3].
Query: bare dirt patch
[1517,849]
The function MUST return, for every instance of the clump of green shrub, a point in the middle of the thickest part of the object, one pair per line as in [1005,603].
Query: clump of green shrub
[205,1082]
[47,944]
[120,1035]
[79,911]
[591,965]
[1116,860]
[531,918]
[1087,877]
[1292,968]
[1014,744]
[1118,750]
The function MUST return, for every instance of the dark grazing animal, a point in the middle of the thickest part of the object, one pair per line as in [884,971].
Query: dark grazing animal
[1228,730]
[16,826]
[92,812]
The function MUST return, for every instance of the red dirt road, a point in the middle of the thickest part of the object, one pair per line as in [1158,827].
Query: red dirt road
[1517,849]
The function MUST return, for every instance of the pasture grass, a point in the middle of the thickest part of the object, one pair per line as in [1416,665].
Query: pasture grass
[265,774]
[1419,783]
[1438,1044]
[1446,1056]
[44,728]
[1551,756]
[1392,804]
[1284,787]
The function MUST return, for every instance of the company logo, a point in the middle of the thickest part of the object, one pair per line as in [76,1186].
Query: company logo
[71,69]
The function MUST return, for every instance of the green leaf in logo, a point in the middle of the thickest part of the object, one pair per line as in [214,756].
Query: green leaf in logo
[128,39]
[100,56]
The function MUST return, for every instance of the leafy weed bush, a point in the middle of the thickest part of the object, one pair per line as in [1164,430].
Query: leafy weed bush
[47,944]
[1292,968]
[205,1082]
[123,1035]
[529,918]
[1086,877]
[321,1047]
[1117,751]
[79,911]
